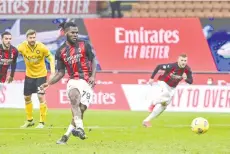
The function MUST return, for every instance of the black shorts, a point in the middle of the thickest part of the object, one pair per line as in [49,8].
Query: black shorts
[31,85]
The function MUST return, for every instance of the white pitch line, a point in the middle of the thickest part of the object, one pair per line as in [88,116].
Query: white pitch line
[89,127]
[115,127]
[184,126]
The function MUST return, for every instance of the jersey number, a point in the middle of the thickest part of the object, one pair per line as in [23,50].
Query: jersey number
[86,94]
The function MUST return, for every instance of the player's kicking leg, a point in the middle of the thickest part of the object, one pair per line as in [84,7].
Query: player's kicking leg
[157,110]
[65,137]
[79,131]
[43,105]
[159,103]
[71,128]
[76,127]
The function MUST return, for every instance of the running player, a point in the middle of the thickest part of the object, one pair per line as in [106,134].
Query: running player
[8,56]
[77,57]
[34,54]
[173,74]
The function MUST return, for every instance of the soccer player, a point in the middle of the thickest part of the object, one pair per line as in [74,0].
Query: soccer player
[8,56]
[173,74]
[77,57]
[34,54]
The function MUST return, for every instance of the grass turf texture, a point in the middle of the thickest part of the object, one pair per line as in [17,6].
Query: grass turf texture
[115,132]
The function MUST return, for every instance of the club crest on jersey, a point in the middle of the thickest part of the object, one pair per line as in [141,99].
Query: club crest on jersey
[37,51]
[79,50]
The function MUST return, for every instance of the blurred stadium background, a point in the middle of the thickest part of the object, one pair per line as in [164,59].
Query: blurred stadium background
[125,61]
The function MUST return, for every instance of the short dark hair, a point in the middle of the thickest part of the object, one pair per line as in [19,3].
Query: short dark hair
[183,55]
[66,25]
[5,33]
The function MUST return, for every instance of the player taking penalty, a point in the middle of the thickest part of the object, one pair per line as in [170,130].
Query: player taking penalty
[9,56]
[167,83]
[34,54]
[77,58]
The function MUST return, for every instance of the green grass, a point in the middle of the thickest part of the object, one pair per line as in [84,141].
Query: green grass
[117,132]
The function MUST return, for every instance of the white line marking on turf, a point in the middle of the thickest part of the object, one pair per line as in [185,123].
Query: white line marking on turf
[89,127]
[211,125]
[115,127]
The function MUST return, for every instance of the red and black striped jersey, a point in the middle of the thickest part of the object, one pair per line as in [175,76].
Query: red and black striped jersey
[76,59]
[170,70]
[7,58]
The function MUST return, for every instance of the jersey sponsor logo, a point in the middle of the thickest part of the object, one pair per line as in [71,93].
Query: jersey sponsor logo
[6,61]
[33,58]
[73,59]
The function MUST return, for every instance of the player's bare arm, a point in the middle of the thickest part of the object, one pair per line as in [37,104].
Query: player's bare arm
[60,74]
[94,70]
[57,77]
[90,55]
[61,71]
[94,67]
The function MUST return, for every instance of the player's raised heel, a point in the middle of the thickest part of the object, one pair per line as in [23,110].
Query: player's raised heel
[146,124]
[63,140]
[27,124]
[79,132]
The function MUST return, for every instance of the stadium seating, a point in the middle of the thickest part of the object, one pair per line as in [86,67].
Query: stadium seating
[179,9]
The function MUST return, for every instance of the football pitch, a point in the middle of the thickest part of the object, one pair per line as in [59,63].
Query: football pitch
[115,132]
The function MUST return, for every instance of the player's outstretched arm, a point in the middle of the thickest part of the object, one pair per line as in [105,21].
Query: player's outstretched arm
[53,80]
[60,74]
[61,71]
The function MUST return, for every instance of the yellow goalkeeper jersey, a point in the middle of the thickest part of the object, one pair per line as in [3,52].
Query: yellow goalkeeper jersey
[34,58]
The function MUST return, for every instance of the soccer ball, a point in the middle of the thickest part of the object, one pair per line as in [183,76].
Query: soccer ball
[200,125]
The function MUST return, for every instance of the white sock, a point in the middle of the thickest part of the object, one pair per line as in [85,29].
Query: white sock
[69,130]
[78,122]
[158,109]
